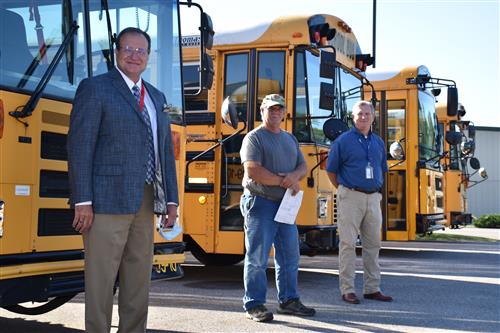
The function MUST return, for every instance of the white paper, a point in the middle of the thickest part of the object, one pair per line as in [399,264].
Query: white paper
[289,207]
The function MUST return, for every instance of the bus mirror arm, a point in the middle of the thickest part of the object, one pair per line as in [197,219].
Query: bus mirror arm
[219,143]
[310,179]
[373,99]
[482,172]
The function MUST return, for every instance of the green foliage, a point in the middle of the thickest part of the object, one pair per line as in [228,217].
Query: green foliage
[488,221]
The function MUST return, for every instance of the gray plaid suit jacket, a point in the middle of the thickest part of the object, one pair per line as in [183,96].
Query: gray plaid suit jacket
[106,146]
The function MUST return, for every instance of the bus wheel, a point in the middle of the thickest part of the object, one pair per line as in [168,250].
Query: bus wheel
[41,309]
[216,259]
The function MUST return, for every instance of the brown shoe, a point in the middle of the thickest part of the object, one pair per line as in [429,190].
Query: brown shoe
[350,298]
[378,296]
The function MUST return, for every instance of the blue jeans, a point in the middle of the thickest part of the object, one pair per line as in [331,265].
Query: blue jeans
[261,231]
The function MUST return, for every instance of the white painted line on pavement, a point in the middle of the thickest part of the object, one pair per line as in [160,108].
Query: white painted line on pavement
[476,279]
[422,249]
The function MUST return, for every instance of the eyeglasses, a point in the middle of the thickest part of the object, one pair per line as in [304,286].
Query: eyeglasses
[129,51]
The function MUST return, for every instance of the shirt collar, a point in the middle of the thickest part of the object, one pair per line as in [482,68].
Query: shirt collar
[128,81]
[355,130]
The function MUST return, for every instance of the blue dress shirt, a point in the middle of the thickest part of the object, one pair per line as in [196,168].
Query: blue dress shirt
[351,154]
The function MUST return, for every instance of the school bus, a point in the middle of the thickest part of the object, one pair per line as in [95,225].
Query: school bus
[314,62]
[46,48]
[414,198]
[458,160]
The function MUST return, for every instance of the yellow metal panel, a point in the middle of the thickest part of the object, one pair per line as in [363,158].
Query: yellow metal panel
[9,272]
[230,242]
[398,236]
[16,223]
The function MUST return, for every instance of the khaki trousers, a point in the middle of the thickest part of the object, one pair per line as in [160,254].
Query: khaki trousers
[359,214]
[119,244]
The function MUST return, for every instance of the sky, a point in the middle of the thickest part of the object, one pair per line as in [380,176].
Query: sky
[454,39]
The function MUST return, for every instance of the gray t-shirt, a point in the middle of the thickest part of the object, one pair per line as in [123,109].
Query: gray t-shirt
[277,152]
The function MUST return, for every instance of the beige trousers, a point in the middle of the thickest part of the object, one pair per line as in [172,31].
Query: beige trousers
[359,214]
[119,244]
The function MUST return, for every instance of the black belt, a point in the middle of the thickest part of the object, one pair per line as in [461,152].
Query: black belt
[364,191]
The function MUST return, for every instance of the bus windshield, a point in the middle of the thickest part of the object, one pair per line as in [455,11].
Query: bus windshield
[31,44]
[309,118]
[429,141]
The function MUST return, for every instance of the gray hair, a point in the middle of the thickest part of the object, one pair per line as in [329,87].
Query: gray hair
[359,104]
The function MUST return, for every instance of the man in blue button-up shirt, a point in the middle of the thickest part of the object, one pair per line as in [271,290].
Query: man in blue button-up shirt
[356,166]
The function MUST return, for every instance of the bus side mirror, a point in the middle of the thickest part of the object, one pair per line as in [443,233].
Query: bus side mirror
[206,71]
[453,138]
[452,101]
[474,163]
[472,131]
[326,92]
[333,128]
[396,150]
[207,31]
[229,113]
[327,65]
[483,173]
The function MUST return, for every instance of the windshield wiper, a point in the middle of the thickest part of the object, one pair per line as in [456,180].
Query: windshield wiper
[37,93]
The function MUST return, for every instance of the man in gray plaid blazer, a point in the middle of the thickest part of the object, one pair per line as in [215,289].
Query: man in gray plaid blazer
[121,170]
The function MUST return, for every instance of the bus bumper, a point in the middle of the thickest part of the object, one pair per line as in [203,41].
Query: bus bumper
[427,223]
[318,238]
[38,281]
[460,218]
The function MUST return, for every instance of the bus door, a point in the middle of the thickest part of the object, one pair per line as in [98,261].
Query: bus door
[265,75]
[391,125]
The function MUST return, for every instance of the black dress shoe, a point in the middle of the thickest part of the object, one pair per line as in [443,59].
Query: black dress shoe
[378,296]
[350,298]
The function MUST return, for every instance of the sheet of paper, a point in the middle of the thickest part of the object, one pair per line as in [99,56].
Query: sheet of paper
[289,207]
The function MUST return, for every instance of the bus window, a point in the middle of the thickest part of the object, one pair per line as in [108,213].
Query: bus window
[307,90]
[236,81]
[454,149]
[191,76]
[27,50]
[271,79]
[396,200]
[299,124]
[396,120]
[428,138]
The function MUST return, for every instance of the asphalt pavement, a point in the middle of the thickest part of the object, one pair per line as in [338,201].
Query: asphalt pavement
[437,287]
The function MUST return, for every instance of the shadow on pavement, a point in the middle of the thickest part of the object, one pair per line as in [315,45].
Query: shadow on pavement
[33,326]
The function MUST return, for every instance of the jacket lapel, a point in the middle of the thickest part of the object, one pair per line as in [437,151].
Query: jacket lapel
[123,89]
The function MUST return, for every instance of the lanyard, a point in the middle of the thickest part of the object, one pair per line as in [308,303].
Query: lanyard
[141,101]
[366,148]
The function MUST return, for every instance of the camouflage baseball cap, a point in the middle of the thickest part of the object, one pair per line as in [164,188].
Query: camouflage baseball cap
[272,99]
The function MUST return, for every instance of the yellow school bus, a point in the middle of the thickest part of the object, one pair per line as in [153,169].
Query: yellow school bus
[306,59]
[407,120]
[47,47]
[460,165]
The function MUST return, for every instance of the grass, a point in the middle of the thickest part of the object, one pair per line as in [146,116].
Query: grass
[453,238]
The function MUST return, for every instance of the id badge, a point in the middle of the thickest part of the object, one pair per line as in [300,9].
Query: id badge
[369,172]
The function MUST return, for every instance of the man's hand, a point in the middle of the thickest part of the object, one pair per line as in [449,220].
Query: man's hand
[84,216]
[171,216]
[295,188]
[289,179]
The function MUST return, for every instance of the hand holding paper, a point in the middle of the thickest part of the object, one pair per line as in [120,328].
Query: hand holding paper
[289,207]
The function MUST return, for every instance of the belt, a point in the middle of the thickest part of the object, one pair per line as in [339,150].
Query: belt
[364,191]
